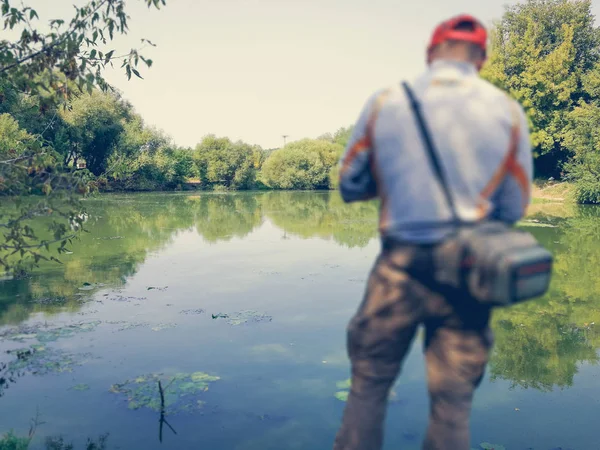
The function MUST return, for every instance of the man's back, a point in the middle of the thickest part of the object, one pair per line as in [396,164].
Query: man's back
[482,141]
[471,124]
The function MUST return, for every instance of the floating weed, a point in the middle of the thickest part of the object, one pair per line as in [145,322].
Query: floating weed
[68,331]
[344,391]
[80,387]
[152,288]
[124,325]
[88,313]
[342,396]
[126,299]
[192,311]
[42,360]
[181,391]
[44,334]
[163,326]
[344,384]
[243,317]
[488,446]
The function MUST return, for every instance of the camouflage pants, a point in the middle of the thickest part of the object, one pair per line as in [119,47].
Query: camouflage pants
[400,296]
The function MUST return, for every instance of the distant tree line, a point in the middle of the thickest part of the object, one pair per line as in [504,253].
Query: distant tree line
[101,132]
[546,53]
[58,115]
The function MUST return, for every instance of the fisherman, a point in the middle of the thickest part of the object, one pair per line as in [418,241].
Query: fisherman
[474,126]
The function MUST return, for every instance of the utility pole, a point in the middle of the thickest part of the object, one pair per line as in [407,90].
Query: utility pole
[285,136]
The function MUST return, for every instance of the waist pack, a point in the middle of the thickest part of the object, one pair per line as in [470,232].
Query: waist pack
[496,263]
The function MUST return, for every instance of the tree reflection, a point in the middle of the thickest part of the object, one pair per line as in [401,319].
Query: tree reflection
[221,217]
[541,343]
[322,215]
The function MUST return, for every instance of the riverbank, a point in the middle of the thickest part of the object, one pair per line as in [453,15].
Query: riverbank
[549,191]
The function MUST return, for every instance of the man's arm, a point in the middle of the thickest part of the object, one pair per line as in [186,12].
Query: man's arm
[356,180]
[514,195]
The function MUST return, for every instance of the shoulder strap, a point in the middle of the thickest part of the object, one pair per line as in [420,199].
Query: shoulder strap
[506,164]
[433,158]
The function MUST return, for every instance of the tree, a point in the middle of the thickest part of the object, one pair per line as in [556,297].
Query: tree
[14,141]
[221,162]
[583,137]
[303,164]
[542,52]
[342,136]
[95,124]
[43,66]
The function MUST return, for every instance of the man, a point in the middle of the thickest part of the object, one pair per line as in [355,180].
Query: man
[473,125]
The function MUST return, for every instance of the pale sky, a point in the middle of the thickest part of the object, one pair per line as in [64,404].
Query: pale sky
[257,69]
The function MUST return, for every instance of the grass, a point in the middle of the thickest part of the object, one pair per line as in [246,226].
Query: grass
[551,191]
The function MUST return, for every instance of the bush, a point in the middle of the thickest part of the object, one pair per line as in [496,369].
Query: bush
[304,164]
[587,190]
[232,165]
[12,442]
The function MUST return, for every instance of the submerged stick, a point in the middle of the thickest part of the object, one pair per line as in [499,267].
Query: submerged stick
[162,397]
[162,412]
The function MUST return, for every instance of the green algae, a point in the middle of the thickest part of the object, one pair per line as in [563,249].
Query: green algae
[181,392]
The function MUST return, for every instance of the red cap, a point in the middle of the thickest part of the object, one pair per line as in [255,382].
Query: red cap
[447,31]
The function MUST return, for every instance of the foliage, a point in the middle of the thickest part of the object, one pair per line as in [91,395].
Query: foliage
[341,136]
[232,165]
[10,441]
[544,52]
[41,70]
[304,164]
[324,215]
[583,136]
[14,141]
[93,129]
[58,443]
[540,344]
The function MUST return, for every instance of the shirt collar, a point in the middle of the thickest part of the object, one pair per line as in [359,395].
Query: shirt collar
[449,67]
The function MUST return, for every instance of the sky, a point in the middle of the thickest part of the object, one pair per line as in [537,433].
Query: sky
[256,70]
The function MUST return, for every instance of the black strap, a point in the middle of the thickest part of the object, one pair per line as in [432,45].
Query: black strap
[433,158]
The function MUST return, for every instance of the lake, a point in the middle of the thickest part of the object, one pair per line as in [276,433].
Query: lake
[238,303]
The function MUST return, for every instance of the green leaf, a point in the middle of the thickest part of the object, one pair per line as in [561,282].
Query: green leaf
[344,384]
[342,396]
[33,14]
[137,74]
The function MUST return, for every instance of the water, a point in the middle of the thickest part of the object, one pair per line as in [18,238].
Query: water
[299,261]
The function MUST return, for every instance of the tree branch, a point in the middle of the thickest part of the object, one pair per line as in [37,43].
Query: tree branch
[54,44]
[36,246]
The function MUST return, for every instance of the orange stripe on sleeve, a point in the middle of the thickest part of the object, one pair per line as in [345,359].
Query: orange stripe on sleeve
[360,146]
[509,165]
[517,171]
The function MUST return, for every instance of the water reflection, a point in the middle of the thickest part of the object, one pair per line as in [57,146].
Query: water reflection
[539,345]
